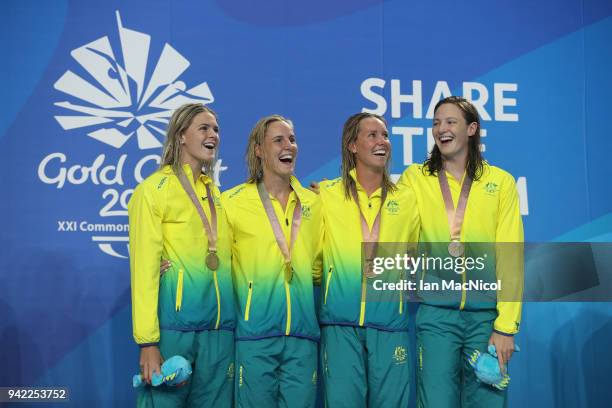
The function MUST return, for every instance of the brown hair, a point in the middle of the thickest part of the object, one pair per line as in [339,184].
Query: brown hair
[475,161]
[349,136]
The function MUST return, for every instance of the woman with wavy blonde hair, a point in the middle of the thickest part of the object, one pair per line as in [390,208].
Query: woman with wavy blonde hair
[179,123]
[174,214]
[276,227]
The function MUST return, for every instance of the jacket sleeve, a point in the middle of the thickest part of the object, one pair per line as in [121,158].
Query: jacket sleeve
[146,243]
[509,259]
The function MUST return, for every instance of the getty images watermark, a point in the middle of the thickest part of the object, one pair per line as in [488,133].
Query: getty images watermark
[487,272]
[410,265]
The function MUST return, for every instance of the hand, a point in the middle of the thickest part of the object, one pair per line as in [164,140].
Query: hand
[314,187]
[164,265]
[504,346]
[150,362]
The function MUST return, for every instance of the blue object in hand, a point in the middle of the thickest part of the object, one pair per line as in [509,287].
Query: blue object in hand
[174,371]
[486,367]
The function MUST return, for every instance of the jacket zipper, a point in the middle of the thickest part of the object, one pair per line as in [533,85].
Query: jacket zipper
[247,309]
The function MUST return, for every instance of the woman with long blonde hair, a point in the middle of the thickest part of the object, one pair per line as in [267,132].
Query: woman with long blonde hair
[175,214]
[276,230]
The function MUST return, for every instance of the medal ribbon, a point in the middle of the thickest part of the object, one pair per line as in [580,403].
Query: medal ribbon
[211,231]
[370,236]
[281,241]
[455,216]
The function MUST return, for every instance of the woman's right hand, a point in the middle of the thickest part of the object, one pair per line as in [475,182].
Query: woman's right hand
[150,362]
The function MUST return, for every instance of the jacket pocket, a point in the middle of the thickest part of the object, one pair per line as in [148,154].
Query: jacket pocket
[247,309]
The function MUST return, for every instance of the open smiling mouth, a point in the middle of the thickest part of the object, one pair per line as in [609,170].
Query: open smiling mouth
[446,139]
[210,145]
[380,153]
[286,158]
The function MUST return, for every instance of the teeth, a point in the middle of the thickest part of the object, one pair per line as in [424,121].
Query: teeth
[380,152]
[209,145]
[286,157]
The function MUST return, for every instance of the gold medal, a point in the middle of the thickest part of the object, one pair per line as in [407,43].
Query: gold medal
[368,268]
[288,272]
[455,215]
[212,261]
[456,249]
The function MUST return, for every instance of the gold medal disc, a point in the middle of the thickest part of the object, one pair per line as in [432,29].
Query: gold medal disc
[369,268]
[456,249]
[212,261]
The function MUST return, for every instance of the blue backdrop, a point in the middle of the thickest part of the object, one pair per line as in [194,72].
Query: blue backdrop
[88,88]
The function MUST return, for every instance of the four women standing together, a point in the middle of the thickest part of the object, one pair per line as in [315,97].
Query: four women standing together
[273,239]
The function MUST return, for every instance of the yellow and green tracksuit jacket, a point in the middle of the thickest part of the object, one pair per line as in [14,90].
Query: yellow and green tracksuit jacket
[492,215]
[347,296]
[266,305]
[165,224]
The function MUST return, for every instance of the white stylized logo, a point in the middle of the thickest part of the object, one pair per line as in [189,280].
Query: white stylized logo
[116,97]
[121,101]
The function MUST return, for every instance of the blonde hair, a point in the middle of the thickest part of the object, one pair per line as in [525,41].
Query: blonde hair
[349,136]
[179,122]
[256,138]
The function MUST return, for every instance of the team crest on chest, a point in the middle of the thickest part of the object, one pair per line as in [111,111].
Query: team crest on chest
[392,207]
[306,212]
[491,188]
